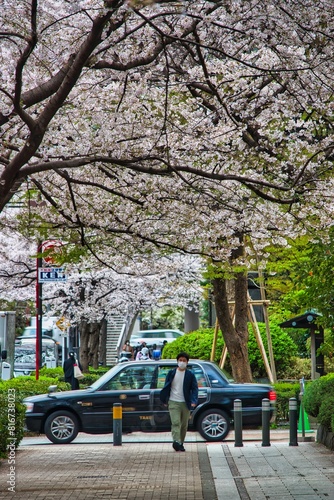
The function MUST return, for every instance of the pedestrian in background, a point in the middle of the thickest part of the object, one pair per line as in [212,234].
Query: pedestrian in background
[180,393]
[143,355]
[68,368]
[128,349]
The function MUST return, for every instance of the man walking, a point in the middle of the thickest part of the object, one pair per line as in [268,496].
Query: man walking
[180,392]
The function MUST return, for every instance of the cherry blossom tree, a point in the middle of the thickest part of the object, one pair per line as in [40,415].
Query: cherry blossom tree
[198,126]
[92,294]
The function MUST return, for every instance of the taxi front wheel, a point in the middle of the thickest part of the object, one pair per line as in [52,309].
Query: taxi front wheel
[61,427]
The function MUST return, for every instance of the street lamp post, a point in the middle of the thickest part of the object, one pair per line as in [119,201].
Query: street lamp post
[39,312]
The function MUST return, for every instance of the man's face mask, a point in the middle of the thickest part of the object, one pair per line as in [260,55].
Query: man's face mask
[182,365]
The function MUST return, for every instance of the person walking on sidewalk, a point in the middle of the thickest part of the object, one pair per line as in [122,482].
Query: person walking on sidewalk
[68,368]
[180,393]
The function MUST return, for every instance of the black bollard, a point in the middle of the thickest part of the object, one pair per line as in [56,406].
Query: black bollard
[117,424]
[293,417]
[237,422]
[265,422]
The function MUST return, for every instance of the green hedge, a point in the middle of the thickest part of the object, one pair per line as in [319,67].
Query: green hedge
[11,423]
[285,391]
[284,349]
[198,345]
[29,386]
[319,400]
[12,411]
[58,374]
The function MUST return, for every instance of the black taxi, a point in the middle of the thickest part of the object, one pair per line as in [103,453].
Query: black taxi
[137,385]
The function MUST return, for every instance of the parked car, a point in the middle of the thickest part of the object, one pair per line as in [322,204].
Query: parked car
[30,331]
[137,386]
[157,337]
[25,354]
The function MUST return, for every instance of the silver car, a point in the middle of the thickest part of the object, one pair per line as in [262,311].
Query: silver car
[157,337]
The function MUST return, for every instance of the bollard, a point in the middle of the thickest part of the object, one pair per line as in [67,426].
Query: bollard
[117,424]
[237,422]
[265,422]
[293,421]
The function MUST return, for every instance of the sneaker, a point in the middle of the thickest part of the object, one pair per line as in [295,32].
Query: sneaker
[181,447]
[176,446]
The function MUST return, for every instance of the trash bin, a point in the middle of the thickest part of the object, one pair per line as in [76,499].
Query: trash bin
[5,371]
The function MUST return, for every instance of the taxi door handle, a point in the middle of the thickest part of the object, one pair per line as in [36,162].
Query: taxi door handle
[144,396]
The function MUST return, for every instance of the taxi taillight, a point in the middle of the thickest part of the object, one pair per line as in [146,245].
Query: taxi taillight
[272,396]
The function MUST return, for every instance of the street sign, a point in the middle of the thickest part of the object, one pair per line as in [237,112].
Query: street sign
[63,324]
[48,274]
[53,248]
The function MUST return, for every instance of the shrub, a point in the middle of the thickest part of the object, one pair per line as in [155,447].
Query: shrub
[57,373]
[198,345]
[29,386]
[12,392]
[285,391]
[284,349]
[326,412]
[11,422]
[319,400]
[297,369]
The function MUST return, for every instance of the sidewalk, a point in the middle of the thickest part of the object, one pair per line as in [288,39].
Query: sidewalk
[146,467]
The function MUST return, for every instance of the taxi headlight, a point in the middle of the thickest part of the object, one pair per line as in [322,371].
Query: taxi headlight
[29,407]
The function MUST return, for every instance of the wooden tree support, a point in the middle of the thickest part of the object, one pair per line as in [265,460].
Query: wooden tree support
[255,326]
[270,367]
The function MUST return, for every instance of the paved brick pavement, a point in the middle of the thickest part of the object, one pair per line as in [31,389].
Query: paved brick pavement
[140,471]
[278,472]
[146,467]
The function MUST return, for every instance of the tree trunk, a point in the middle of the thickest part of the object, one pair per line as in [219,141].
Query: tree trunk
[94,344]
[103,343]
[235,336]
[89,344]
[84,342]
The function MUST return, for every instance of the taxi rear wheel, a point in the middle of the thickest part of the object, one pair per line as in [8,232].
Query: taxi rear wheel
[61,427]
[213,424]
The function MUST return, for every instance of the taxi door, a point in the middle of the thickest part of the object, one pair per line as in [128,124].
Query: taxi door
[132,388]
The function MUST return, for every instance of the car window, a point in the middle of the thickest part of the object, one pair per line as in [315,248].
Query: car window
[197,370]
[216,380]
[27,353]
[153,335]
[162,372]
[200,375]
[131,377]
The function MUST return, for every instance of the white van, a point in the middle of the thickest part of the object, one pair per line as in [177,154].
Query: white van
[49,327]
[25,354]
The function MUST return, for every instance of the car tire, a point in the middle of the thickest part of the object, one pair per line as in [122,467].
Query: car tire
[213,424]
[61,427]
